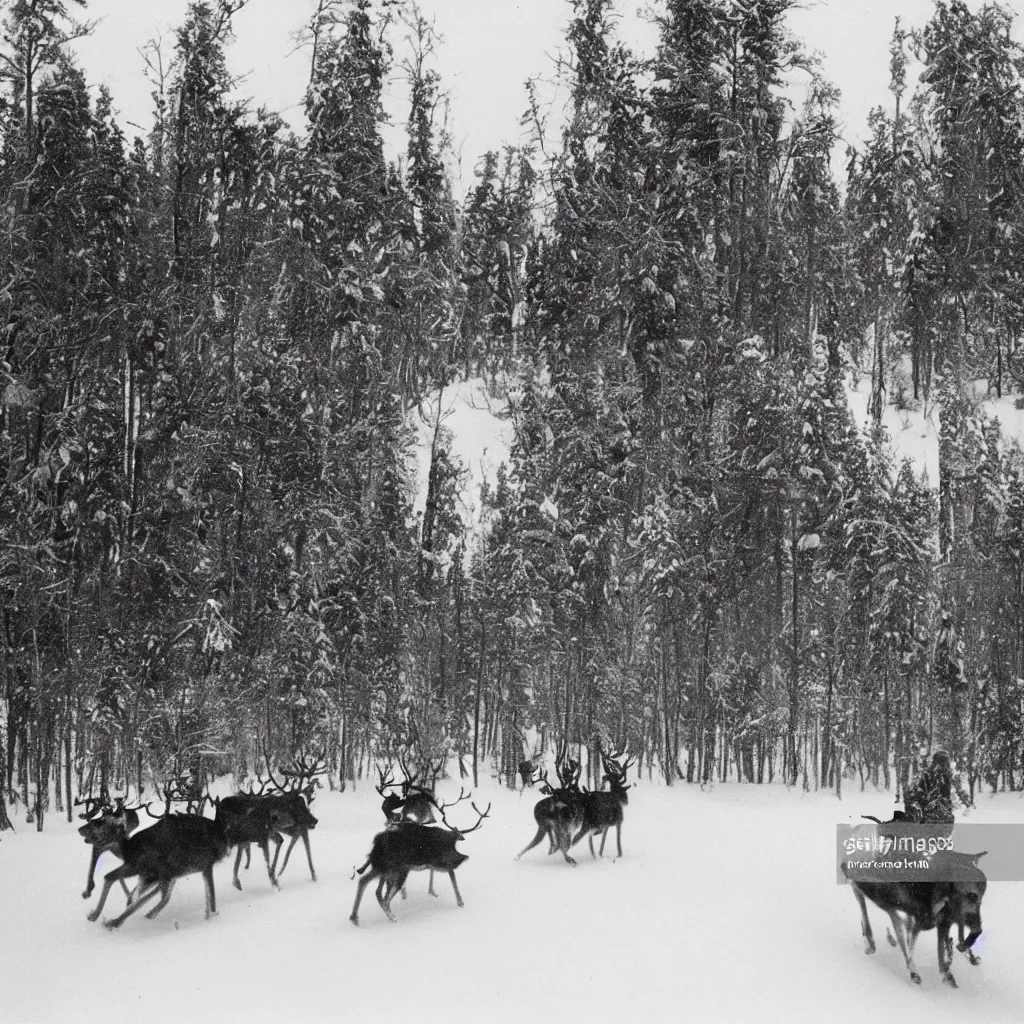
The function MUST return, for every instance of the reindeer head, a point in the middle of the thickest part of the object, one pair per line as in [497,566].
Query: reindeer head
[616,773]
[961,895]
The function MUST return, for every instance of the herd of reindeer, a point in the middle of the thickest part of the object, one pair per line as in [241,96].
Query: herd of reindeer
[181,844]
[187,843]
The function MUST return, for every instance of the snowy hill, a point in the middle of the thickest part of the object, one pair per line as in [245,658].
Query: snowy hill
[724,907]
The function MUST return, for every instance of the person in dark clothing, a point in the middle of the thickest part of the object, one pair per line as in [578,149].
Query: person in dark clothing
[930,800]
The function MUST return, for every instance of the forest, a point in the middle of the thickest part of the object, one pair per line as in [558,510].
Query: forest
[216,340]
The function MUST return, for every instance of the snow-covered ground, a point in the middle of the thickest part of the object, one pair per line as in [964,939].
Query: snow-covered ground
[724,907]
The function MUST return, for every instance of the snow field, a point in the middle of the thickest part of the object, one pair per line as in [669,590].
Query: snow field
[724,907]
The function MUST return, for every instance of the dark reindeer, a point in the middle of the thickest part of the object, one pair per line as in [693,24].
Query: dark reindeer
[293,799]
[406,846]
[954,897]
[96,831]
[252,818]
[527,772]
[416,803]
[176,846]
[560,813]
[290,800]
[604,809]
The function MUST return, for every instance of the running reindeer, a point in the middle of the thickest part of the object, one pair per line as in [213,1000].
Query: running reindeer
[289,800]
[604,809]
[560,814]
[416,804]
[176,846]
[952,897]
[97,833]
[406,846]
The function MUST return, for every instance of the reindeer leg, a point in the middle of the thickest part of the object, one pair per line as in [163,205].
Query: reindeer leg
[455,886]
[541,832]
[946,955]
[152,891]
[167,888]
[287,853]
[590,840]
[865,924]
[238,860]
[363,883]
[385,902]
[309,855]
[430,887]
[265,847]
[248,857]
[618,837]
[277,849]
[211,896]
[906,948]
[278,841]
[565,854]
[89,883]
[108,881]
[604,836]
[972,958]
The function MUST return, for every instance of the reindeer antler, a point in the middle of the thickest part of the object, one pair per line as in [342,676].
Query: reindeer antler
[387,780]
[94,807]
[463,795]
[480,816]
[479,820]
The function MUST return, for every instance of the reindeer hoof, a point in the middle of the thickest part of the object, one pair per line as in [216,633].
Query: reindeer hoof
[948,979]
[92,915]
[869,947]
[237,884]
[111,925]
[86,894]
[892,941]
[354,920]
[915,977]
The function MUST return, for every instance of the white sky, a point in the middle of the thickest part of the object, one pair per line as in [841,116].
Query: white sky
[491,47]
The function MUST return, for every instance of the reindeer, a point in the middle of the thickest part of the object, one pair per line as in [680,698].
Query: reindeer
[98,816]
[527,771]
[176,846]
[291,799]
[604,809]
[417,803]
[406,846]
[953,897]
[560,813]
